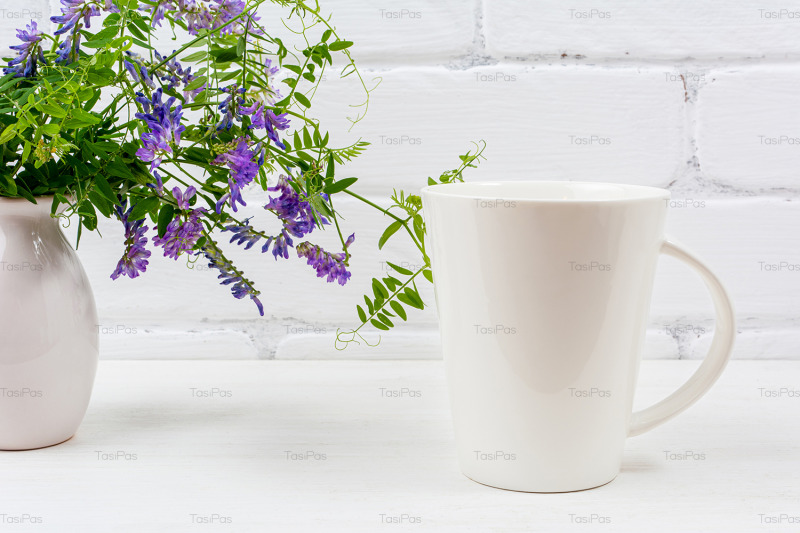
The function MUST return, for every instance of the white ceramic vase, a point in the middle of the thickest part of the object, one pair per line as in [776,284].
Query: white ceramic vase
[48,329]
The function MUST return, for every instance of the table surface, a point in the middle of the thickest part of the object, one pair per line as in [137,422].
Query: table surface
[284,446]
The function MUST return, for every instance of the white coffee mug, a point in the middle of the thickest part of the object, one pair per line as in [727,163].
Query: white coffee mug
[543,292]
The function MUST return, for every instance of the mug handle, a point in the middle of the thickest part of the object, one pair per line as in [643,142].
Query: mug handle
[715,361]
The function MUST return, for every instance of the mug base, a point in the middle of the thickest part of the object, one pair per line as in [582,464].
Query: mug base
[540,490]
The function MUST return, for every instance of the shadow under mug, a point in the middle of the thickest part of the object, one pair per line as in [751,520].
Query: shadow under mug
[543,292]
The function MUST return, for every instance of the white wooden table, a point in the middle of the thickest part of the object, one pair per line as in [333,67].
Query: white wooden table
[285,446]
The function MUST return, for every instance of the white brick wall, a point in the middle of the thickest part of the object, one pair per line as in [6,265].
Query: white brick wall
[700,97]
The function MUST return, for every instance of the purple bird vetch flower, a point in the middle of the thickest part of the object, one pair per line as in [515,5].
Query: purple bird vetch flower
[327,265]
[242,167]
[134,260]
[70,20]
[295,213]
[29,53]
[240,286]
[185,229]
[164,128]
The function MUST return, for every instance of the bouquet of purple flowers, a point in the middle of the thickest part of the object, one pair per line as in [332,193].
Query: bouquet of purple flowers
[95,116]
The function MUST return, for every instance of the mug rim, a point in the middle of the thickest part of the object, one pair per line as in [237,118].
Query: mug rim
[613,192]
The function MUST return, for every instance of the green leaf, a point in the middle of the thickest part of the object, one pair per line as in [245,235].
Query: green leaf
[414,298]
[383,318]
[100,203]
[428,274]
[96,44]
[53,110]
[7,134]
[135,32]
[339,186]
[361,314]
[51,129]
[419,227]
[165,216]
[225,56]
[84,116]
[119,169]
[330,169]
[403,298]
[301,98]
[112,19]
[241,46]
[307,138]
[399,310]
[391,230]
[379,325]
[102,186]
[339,45]
[379,290]
[143,207]
[326,35]
[370,307]
[391,282]
[401,270]
[88,215]
[9,185]
[227,76]
[196,83]
[195,57]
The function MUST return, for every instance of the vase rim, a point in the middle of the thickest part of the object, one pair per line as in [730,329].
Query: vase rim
[23,206]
